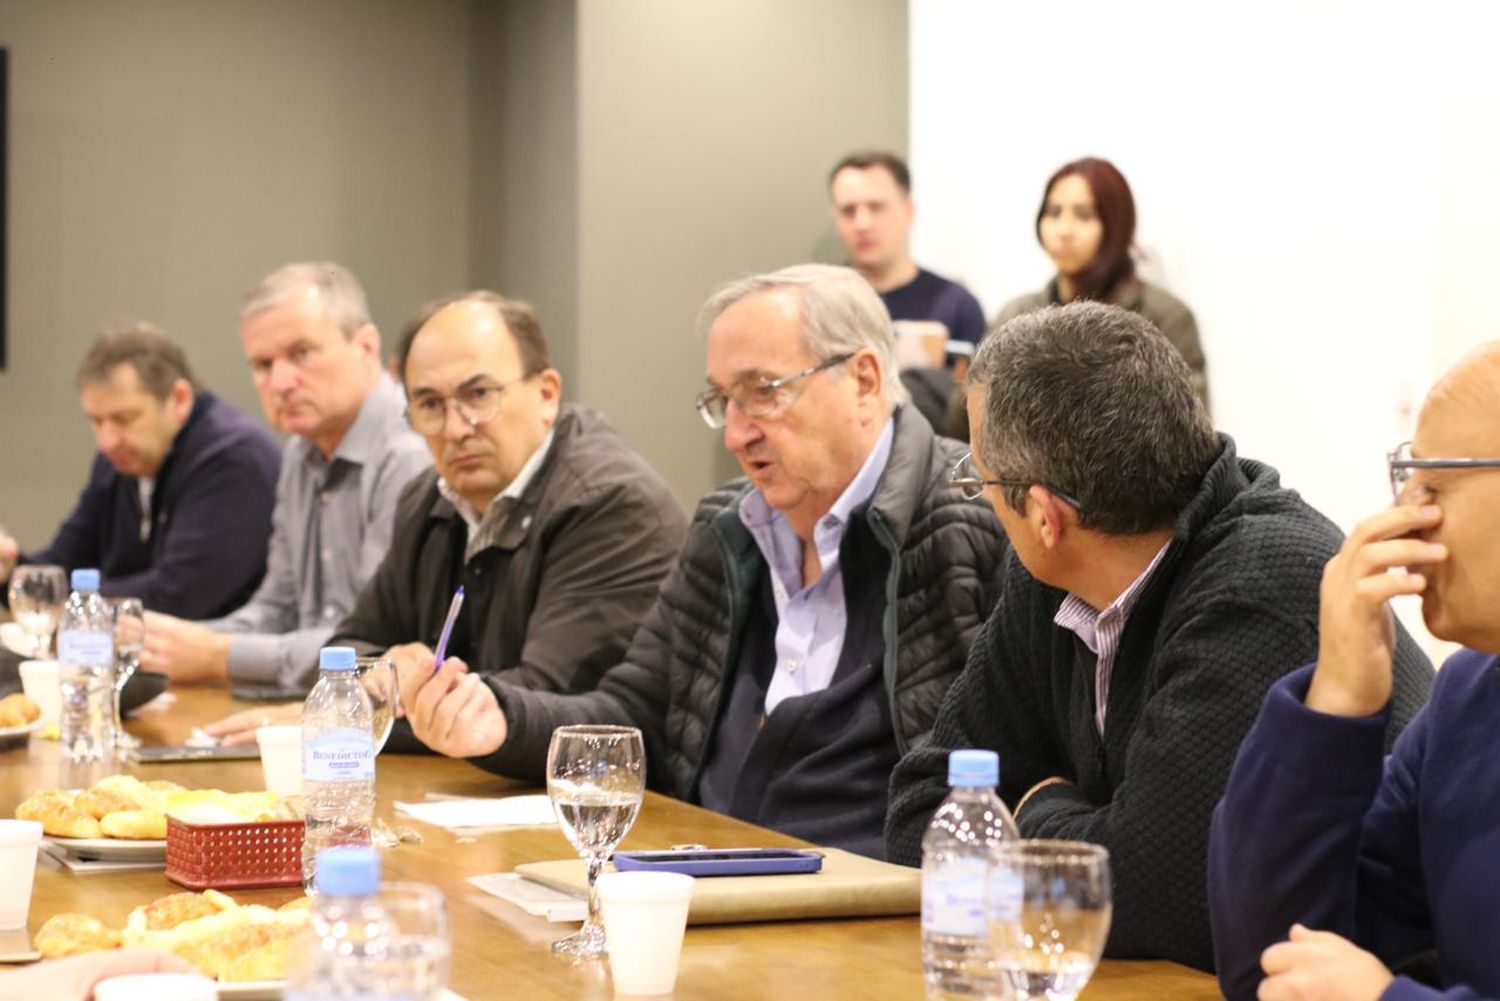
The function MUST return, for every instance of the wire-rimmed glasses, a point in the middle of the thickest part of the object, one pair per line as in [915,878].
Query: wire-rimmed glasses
[968,481]
[36,598]
[760,399]
[596,778]
[477,402]
[1401,463]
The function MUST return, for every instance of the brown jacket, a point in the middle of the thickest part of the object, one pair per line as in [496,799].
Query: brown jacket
[554,602]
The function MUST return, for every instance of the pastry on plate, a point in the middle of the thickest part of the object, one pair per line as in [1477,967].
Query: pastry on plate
[71,934]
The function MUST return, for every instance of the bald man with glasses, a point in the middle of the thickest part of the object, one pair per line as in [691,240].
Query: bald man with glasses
[820,606]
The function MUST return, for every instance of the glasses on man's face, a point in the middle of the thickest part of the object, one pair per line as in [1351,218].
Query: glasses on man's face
[476,402]
[760,399]
[968,481]
[1401,465]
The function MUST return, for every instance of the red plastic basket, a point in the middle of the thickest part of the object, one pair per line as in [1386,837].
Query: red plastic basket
[234,856]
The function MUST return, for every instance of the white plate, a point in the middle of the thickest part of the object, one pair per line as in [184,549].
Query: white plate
[17,639]
[19,731]
[112,849]
[251,990]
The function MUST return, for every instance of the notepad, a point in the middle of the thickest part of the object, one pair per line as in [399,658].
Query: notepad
[463,814]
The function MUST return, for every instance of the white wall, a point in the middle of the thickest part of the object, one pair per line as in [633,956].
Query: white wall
[1315,178]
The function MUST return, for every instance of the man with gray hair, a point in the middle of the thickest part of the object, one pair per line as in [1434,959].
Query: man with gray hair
[315,360]
[175,466]
[819,607]
[1159,584]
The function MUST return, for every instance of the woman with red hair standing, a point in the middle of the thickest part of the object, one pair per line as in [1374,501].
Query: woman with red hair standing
[1087,225]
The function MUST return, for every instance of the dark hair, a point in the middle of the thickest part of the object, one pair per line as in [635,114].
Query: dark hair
[865,159]
[143,346]
[1091,400]
[1112,263]
[520,319]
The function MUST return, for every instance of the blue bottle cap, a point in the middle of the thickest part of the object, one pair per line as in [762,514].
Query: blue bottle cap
[336,658]
[348,871]
[85,580]
[971,768]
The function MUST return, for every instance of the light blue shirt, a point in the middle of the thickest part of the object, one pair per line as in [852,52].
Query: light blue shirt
[811,620]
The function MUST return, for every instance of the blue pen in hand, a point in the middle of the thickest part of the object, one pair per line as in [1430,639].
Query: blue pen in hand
[442,647]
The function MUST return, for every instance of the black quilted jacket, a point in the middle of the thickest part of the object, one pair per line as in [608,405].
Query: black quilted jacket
[945,556]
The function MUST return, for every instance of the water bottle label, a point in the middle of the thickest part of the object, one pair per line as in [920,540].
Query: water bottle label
[1006,891]
[341,755]
[75,646]
[953,898]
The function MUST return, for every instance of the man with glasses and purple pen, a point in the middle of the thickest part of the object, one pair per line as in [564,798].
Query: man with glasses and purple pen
[1160,584]
[820,606]
[1332,865]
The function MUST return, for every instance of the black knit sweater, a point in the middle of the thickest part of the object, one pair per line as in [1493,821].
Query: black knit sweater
[1232,607]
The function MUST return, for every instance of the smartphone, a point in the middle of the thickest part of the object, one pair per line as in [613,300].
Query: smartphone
[238,752]
[722,861]
[260,693]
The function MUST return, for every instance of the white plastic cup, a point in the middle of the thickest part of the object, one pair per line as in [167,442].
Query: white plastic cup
[281,758]
[19,840]
[645,914]
[41,680]
[157,987]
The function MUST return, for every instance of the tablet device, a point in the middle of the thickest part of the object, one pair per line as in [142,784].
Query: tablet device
[722,861]
[238,752]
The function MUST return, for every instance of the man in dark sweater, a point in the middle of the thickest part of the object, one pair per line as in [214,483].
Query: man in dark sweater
[1159,585]
[177,509]
[1320,837]
[818,609]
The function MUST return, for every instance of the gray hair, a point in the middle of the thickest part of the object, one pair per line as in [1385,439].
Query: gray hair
[145,347]
[337,288]
[1092,401]
[839,310]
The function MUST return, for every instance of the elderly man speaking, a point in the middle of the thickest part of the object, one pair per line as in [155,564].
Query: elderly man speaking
[819,607]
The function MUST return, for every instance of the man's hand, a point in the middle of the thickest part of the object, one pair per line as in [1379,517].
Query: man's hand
[1356,632]
[74,978]
[10,552]
[1321,966]
[185,651]
[240,728]
[453,711]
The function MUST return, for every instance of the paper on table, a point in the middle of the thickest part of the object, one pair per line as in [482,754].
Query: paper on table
[533,897]
[507,811]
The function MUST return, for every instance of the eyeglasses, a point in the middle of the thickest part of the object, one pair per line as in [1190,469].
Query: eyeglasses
[1401,464]
[476,402]
[760,400]
[966,480]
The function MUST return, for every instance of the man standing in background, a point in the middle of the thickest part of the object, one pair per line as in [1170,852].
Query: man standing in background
[177,509]
[315,361]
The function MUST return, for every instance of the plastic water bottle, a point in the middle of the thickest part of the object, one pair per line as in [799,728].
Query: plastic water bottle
[338,759]
[956,957]
[347,953]
[86,649]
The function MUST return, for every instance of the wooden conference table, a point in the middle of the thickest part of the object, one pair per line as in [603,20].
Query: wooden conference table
[499,950]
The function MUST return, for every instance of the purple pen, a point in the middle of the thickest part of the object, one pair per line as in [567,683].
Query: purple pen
[442,647]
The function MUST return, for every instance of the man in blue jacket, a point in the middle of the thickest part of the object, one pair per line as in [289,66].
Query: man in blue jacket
[1362,862]
[177,509]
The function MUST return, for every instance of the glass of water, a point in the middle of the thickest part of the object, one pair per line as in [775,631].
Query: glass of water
[421,944]
[36,596]
[130,640]
[596,777]
[1049,915]
[378,676]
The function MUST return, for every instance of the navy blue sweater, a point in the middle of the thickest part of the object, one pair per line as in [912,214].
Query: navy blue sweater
[1400,855]
[210,517]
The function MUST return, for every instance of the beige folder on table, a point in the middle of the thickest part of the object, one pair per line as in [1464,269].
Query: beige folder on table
[848,886]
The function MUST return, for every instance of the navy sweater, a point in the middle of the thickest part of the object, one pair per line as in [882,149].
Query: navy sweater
[210,517]
[1400,855]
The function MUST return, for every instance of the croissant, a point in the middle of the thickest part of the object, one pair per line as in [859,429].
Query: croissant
[71,934]
[138,825]
[117,792]
[59,815]
[16,709]
[254,952]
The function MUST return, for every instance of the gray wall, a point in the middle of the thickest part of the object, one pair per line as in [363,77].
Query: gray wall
[612,161]
[166,154]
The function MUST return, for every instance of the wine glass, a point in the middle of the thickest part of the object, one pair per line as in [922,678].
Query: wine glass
[415,963]
[1049,915]
[130,640]
[37,594]
[378,676]
[596,778]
